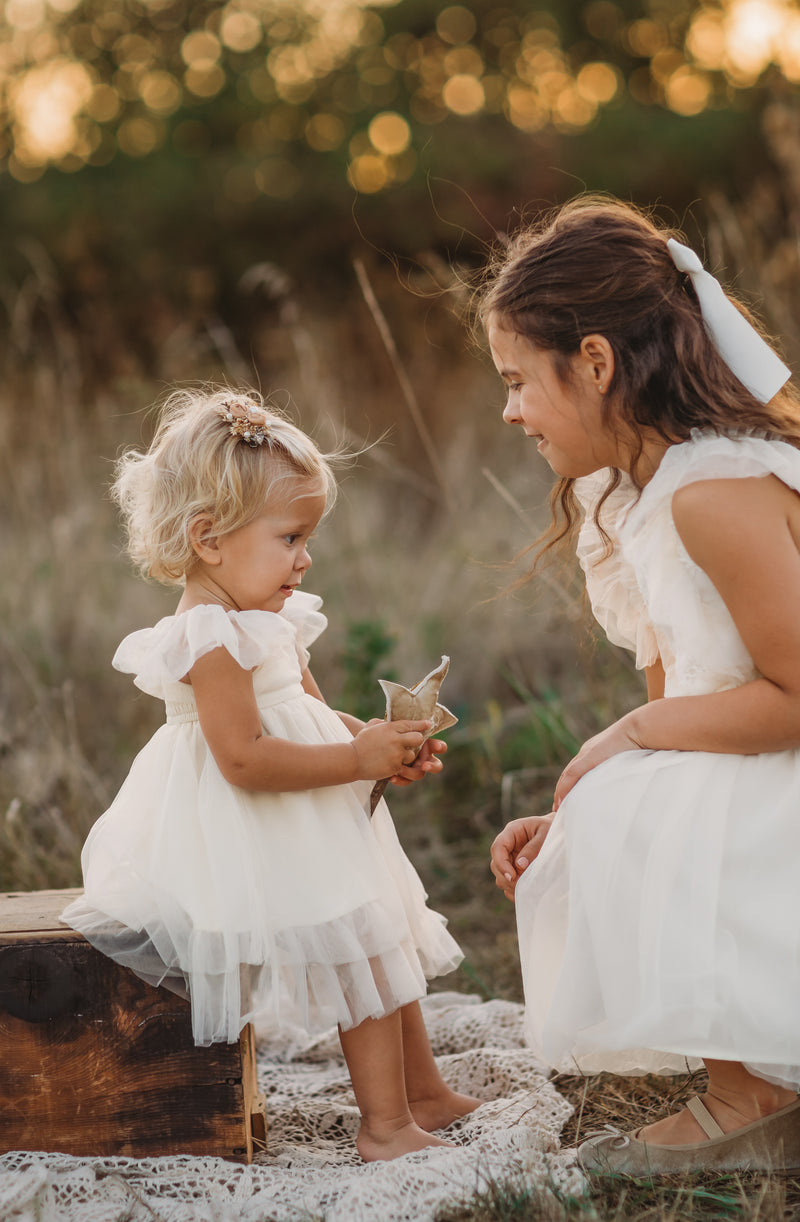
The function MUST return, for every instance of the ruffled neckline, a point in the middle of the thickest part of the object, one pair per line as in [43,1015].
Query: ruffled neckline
[296,607]
[164,653]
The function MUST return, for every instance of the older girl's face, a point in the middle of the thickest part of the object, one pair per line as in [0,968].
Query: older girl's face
[565,419]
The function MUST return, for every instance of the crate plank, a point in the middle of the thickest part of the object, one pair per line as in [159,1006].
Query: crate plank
[22,911]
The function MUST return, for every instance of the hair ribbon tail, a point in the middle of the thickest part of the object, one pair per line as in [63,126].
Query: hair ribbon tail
[742,349]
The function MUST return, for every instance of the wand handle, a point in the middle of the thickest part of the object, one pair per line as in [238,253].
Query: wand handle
[377,793]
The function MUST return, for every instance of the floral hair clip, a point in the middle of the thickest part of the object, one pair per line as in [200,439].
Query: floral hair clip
[246,421]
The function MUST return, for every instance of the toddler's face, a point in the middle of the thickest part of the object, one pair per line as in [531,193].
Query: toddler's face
[565,420]
[260,564]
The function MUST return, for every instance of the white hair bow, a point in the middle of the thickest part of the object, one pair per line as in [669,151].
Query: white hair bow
[741,347]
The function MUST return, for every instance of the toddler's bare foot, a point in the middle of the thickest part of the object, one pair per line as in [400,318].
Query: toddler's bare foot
[440,1110]
[376,1143]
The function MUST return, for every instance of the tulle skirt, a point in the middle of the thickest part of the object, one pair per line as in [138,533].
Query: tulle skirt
[288,908]
[661,922]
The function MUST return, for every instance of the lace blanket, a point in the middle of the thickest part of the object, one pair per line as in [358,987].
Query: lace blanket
[311,1170]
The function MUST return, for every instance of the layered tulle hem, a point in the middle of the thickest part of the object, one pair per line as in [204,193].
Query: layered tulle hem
[685,1055]
[365,964]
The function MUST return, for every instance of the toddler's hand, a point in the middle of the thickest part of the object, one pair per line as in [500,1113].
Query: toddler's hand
[519,843]
[425,762]
[384,748]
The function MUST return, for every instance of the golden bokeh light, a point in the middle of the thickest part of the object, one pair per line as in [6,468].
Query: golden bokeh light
[525,109]
[140,135]
[369,173]
[463,61]
[743,37]
[572,109]
[104,104]
[47,101]
[325,132]
[646,37]
[131,49]
[25,15]
[705,40]
[665,64]
[200,49]
[160,92]
[85,78]
[389,133]
[603,19]
[239,29]
[456,24]
[788,55]
[688,91]
[23,172]
[598,83]
[204,80]
[463,94]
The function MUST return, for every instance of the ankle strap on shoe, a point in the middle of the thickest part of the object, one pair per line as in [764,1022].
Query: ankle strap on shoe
[704,1118]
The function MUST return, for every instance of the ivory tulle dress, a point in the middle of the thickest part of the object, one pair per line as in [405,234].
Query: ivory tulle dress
[287,907]
[661,920]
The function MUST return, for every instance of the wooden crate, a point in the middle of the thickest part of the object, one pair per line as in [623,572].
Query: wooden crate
[93,1061]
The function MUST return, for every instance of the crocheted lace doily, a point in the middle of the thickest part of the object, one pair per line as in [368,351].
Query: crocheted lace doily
[311,1170]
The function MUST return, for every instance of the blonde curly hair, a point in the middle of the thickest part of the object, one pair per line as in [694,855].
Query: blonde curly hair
[196,465]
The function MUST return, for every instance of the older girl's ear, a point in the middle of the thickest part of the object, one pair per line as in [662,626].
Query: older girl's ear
[205,544]
[597,356]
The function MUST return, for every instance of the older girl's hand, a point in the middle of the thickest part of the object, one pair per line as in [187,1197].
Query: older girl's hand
[518,844]
[425,762]
[616,739]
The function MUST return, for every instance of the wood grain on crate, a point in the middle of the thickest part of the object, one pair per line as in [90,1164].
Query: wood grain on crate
[93,1061]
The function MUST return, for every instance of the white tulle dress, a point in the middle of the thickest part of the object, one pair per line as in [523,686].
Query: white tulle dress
[287,907]
[661,920]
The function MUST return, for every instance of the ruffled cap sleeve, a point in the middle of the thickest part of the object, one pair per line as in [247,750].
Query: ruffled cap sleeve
[302,611]
[611,584]
[161,656]
[710,456]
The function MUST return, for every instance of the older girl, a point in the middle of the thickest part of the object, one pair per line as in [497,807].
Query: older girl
[659,907]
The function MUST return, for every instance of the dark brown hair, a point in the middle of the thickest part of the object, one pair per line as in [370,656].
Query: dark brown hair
[599,266]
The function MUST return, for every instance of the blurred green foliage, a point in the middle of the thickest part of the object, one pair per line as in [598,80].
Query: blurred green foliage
[364,660]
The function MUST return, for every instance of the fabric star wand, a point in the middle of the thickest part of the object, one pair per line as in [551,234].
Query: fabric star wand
[418,703]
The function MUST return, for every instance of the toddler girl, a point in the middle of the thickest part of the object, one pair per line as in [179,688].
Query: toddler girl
[659,913]
[238,865]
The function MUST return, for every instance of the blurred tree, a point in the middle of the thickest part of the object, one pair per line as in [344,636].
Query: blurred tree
[159,148]
[359,85]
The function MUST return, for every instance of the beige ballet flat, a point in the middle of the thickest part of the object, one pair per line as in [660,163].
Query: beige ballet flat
[769,1144]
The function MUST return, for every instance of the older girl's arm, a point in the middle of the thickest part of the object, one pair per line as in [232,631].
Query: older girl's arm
[655,679]
[744,533]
